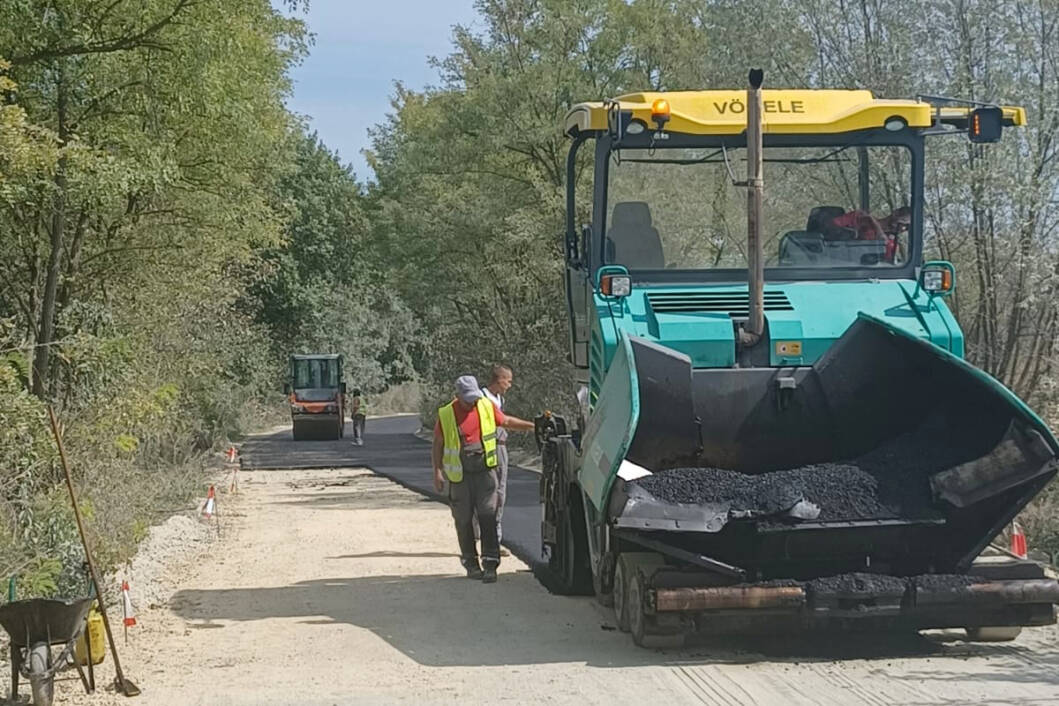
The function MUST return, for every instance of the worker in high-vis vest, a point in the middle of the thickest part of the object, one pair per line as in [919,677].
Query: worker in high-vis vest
[501,379]
[358,414]
[465,455]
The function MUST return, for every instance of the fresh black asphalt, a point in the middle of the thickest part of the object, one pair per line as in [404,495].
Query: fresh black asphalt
[392,449]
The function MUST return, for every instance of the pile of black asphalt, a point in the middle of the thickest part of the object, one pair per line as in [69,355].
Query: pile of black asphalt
[889,482]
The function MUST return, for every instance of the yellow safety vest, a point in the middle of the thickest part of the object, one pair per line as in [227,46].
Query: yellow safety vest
[450,460]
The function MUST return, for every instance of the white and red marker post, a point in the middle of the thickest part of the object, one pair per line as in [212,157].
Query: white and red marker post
[232,456]
[130,615]
[210,506]
[1018,541]
[209,509]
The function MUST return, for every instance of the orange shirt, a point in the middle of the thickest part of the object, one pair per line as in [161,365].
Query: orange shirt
[469,425]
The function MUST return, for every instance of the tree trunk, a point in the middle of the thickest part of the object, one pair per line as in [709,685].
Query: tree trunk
[46,328]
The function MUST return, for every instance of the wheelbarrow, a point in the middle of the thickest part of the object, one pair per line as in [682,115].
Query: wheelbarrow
[35,625]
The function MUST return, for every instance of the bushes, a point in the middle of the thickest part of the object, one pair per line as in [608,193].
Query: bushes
[126,482]
[396,399]
[141,409]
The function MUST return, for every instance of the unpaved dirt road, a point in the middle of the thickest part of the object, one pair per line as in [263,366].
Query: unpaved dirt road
[338,586]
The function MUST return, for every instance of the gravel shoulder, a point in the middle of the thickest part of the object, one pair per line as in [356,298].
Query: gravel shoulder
[339,586]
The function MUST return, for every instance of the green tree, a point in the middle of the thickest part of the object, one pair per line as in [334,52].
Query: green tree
[320,290]
[140,147]
[164,143]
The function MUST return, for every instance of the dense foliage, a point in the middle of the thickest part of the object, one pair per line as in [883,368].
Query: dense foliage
[141,144]
[322,289]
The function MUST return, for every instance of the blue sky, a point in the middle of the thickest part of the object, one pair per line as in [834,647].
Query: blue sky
[345,84]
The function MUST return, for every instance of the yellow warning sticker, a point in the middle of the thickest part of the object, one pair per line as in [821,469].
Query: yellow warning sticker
[788,348]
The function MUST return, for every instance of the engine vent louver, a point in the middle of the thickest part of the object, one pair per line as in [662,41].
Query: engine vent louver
[731,303]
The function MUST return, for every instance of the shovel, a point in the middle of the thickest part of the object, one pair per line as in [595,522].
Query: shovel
[120,682]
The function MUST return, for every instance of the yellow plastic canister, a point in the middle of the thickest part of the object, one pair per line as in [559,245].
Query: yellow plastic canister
[94,631]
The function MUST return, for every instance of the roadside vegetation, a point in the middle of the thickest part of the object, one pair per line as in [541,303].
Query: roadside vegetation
[141,145]
[170,232]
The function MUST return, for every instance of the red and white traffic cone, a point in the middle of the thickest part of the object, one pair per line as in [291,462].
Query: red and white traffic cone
[130,616]
[211,504]
[233,458]
[1018,541]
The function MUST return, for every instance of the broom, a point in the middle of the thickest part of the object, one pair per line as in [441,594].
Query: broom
[123,685]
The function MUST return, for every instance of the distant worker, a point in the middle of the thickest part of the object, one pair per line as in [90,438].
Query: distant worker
[358,413]
[887,228]
[465,453]
[500,379]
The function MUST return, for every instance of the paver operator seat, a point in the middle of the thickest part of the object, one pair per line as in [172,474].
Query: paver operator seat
[632,240]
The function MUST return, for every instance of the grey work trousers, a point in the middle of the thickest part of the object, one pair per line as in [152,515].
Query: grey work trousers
[501,488]
[476,495]
[501,493]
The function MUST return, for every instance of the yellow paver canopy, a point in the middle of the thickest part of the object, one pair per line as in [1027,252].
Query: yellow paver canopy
[786,111]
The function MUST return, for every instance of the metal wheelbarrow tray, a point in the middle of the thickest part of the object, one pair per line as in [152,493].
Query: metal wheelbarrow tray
[35,625]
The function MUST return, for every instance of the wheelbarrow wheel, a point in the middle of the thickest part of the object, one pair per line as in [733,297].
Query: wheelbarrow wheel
[41,676]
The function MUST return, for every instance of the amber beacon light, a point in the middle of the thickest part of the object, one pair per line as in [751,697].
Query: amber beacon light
[660,112]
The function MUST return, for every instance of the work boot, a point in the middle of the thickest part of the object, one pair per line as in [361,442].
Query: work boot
[489,575]
[474,571]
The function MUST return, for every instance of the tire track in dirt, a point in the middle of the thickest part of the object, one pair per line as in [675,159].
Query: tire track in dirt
[841,677]
[711,685]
